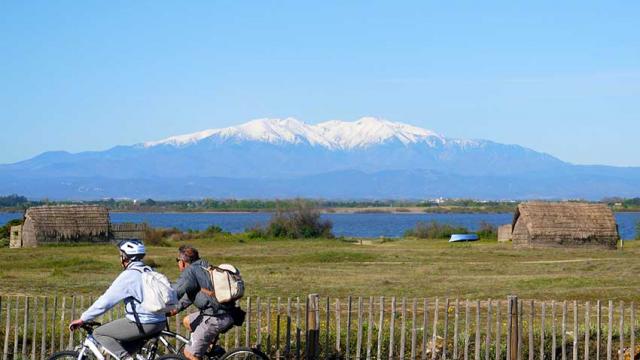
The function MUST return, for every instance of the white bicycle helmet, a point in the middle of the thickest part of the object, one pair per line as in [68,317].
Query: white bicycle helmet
[132,249]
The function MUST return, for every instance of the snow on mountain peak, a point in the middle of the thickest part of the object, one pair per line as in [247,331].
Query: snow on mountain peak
[333,134]
[369,130]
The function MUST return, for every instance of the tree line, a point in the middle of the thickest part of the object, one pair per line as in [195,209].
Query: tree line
[18,202]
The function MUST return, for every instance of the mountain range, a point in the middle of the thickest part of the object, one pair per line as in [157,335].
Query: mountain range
[369,158]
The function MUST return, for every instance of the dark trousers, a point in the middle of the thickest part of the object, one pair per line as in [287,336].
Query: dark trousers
[122,336]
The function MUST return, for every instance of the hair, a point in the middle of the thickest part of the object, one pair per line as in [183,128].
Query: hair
[188,254]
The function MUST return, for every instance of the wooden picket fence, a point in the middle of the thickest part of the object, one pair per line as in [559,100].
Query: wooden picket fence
[315,327]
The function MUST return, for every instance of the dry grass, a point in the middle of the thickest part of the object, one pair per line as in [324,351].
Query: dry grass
[406,267]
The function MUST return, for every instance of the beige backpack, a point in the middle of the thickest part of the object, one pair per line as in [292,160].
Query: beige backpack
[227,283]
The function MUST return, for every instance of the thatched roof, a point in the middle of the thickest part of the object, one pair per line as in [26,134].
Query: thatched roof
[567,220]
[69,220]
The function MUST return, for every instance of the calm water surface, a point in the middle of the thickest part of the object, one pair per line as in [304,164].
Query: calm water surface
[356,225]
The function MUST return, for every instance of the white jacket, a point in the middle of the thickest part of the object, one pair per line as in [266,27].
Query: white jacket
[126,287]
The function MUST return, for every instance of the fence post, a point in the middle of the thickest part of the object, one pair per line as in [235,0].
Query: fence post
[499,332]
[313,328]
[621,351]
[347,345]
[380,329]
[359,332]
[287,337]
[34,334]
[25,328]
[43,343]
[5,352]
[258,324]
[327,345]
[513,328]
[15,329]
[247,339]
[298,338]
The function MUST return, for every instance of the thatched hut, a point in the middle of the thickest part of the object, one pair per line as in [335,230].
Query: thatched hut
[545,224]
[69,223]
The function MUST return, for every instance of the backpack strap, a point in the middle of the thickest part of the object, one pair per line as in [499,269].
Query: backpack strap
[133,303]
[208,292]
[143,270]
[137,317]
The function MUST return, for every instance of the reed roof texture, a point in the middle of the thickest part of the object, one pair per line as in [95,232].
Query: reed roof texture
[547,224]
[69,221]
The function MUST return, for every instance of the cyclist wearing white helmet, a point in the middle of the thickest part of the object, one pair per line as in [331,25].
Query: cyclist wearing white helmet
[121,336]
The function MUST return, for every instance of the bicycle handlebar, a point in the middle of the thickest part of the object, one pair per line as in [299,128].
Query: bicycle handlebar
[89,325]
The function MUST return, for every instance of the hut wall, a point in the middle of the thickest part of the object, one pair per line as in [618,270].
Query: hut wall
[56,237]
[15,237]
[552,240]
[520,236]
[29,233]
[504,233]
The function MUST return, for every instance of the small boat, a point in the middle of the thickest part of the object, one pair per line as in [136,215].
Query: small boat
[463,237]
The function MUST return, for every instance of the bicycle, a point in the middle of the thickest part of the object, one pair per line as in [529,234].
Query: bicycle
[90,349]
[216,352]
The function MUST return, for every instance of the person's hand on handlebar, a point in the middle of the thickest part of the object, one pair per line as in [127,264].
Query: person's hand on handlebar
[171,313]
[76,324]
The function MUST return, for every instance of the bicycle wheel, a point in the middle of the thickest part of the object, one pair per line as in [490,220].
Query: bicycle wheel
[244,354]
[64,355]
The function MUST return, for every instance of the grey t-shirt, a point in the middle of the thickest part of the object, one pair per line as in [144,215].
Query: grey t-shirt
[188,286]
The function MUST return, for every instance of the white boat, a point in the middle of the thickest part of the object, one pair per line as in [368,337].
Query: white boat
[463,237]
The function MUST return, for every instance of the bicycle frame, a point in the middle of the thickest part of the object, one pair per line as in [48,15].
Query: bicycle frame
[166,343]
[90,344]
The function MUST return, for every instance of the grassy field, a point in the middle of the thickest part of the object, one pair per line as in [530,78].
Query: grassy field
[412,268]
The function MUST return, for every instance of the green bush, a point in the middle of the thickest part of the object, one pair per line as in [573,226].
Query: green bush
[5,231]
[159,237]
[434,230]
[6,228]
[301,221]
[256,232]
[212,230]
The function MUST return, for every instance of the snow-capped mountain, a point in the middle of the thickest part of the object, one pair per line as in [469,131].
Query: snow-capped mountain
[270,158]
[333,135]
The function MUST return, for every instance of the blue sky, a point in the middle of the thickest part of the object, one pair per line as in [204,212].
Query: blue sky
[563,78]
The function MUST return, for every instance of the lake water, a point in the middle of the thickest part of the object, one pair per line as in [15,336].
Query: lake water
[356,225]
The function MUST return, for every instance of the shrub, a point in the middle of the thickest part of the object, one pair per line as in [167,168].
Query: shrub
[256,232]
[301,221]
[212,230]
[5,231]
[487,231]
[434,230]
[159,237]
